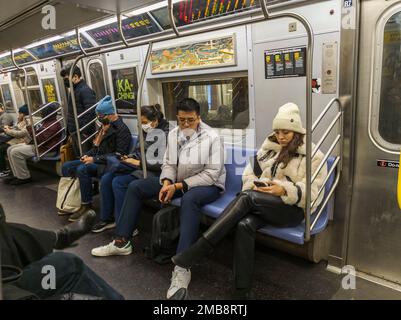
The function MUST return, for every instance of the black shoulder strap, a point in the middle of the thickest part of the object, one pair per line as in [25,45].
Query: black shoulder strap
[257,170]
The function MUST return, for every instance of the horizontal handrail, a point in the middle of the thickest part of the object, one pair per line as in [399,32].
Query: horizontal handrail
[44,130]
[326,200]
[87,110]
[326,109]
[46,105]
[326,133]
[51,148]
[323,163]
[91,136]
[87,125]
[47,140]
[47,117]
[333,167]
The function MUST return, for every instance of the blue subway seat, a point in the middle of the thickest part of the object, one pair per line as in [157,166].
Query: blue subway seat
[236,161]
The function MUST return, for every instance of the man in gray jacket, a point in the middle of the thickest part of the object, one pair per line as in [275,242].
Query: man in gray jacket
[193,168]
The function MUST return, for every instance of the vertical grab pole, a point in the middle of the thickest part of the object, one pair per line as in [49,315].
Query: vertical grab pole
[138,109]
[120,28]
[28,102]
[171,17]
[309,59]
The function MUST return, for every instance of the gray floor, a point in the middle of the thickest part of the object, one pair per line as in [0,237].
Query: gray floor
[277,275]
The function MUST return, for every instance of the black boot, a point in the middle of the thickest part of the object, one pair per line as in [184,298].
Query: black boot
[194,254]
[77,215]
[72,232]
[234,212]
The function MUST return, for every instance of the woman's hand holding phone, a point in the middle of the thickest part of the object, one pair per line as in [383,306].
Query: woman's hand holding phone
[273,188]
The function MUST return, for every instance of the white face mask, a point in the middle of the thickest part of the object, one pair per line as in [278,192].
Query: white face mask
[147,127]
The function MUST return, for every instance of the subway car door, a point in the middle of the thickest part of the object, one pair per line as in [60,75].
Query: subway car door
[375,222]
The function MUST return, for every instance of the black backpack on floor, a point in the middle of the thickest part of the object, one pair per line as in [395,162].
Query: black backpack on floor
[165,235]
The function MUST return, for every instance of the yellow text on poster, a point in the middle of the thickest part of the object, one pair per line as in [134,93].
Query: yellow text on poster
[125,90]
[50,93]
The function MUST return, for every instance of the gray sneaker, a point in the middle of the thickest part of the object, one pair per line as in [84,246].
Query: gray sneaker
[103,225]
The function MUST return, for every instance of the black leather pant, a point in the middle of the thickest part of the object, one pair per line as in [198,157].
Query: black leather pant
[248,212]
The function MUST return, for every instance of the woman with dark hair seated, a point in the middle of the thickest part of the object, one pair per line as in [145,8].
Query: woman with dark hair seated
[273,192]
[114,184]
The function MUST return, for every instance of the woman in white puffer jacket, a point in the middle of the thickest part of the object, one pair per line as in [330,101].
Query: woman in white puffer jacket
[280,165]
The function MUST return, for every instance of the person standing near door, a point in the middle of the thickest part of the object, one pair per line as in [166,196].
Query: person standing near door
[85,98]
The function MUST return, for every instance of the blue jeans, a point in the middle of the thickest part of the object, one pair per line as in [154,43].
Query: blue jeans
[112,191]
[71,275]
[192,202]
[190,213]
[85,173]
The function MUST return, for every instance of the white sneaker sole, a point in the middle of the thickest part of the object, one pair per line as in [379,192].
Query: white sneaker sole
[114,254]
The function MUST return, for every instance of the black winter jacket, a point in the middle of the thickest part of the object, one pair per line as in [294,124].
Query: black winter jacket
[85,98]
[116,140]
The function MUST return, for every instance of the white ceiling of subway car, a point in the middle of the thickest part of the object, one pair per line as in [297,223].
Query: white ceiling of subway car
[21,20]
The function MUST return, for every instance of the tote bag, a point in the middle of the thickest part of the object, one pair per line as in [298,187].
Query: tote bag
[68,195]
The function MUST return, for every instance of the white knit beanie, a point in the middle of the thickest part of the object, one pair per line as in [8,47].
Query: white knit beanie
[288,118]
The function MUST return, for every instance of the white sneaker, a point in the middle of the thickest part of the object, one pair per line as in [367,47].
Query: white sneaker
[112,250]
[180,278]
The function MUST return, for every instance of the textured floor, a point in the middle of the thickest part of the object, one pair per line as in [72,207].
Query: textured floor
[277,275]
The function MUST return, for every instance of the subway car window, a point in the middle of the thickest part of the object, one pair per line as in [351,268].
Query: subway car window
[32,85]
[224,102]
[36,99]
[97,79]
[125,86]
[390,98]
[7,98]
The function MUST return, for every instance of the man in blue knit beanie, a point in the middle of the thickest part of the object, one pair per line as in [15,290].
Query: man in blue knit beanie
[112,138]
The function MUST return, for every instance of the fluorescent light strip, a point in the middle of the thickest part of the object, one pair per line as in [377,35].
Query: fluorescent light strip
[5,54]
[35,44]
[147,9]
[99,24]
